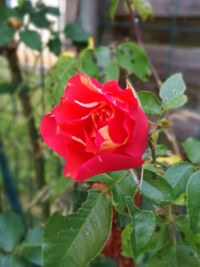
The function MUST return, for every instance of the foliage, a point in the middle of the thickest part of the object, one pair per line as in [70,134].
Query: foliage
[102,63]
[142,7]
[86,231]
[13,252]
[12,21]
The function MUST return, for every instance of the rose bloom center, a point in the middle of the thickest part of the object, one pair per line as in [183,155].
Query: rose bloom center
[102,116]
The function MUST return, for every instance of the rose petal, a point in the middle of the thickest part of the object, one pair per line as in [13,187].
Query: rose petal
[76,156]
[68,111]
[123,99]
[106,162]
[117,131]
[103,140]
[50,134]
[136,146]
[83,89]
[74,131]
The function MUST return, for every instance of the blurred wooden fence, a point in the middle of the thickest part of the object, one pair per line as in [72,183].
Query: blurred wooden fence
[177,41]
[171,37]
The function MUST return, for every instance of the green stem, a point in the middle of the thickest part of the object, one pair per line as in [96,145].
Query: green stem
[153,153]
[138,38]
[171,222]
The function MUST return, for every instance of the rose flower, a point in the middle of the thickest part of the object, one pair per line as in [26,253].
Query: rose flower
[96,128]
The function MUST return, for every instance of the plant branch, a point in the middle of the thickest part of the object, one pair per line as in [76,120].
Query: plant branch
[17,79]
[138,38]
[171,222]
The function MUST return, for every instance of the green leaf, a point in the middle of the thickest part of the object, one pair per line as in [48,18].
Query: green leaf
[160,237]
[1,258]
[144,226]
[88,63]
[126,241]
[121,184]
[103,261]
[186,257]
[78,197]
[12,261]
[107,65]
[130,56]
[20,2]
[161,150]
[190,238]
[166,257]
[143,8]
[57,77]
[4,14]
[39,20]
[11,230]
[33,254]
[149,102]
[179,256]
[176,103]
[51,10]
[55,45]
[6,34]
[172,88]
[15,261]
[32,246]
[144,223]
[178,175]
[113,8]
[77,239]
[31,38]
[155,187]
[26,8]
[76,33]
[61,185]
[192,149]
[121,189]
[110,178]
[7,12]
[100,64]
[193,203]
[34,236]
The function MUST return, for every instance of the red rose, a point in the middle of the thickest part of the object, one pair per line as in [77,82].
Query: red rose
[96,128]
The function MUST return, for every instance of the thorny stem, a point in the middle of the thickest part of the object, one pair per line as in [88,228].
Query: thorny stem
[135,178]
[138,38]
[137,181]
[134,20]
[141,176]
[172,138]
[152,151]
[171,221]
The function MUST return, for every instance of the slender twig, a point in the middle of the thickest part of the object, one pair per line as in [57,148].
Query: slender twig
[153,153]
[38,198]
[138,38]
[171,221]
[38,157]
[141,176]
[135,178]
[173,140]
